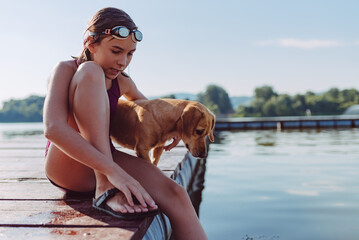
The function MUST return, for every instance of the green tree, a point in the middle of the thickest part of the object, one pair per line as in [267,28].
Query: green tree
[216,99]
[299,105]
[270,107]
[333,93]
[171,96]
[24,110]
[264,92]
[284,105]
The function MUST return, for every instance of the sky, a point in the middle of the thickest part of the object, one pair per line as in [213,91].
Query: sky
[293,46]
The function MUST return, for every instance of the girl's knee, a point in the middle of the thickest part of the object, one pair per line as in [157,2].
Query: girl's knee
[89,72]
[177,192]
[87,83]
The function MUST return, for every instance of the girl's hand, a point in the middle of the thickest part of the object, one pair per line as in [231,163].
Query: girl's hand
[176,140]
[128,186]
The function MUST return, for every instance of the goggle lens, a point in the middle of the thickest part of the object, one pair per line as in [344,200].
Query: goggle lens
[138,35]
[123,32]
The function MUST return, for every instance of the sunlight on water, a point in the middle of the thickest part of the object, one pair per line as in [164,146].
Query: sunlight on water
[282,185]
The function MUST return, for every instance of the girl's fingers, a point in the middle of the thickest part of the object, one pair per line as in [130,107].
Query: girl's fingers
[128,196]
[137,193]
[143,197]
[130,186]
[148,199]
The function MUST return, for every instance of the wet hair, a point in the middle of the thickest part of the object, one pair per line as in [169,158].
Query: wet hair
[106,18]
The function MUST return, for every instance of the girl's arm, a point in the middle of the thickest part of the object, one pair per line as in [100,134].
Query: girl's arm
[129,89]
[56,127]
[57,130]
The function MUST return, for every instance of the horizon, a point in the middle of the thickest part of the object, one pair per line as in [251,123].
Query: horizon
[293,47]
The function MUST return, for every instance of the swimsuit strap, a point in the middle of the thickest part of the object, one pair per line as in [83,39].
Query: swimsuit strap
[115,89]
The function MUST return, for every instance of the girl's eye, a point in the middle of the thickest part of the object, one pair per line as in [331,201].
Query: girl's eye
[115,52]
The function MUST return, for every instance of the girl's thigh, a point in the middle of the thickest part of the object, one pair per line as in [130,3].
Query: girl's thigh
[67,172]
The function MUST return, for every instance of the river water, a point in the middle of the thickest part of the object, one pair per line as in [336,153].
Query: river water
[282,185]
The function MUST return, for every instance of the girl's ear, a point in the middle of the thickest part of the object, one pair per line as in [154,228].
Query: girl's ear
[90,44]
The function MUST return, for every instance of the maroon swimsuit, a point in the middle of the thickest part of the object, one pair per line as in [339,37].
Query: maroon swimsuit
[113,96]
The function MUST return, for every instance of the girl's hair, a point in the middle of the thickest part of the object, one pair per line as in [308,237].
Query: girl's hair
[106,18]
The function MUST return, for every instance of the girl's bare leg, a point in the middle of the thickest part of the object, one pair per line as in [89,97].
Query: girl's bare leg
[89,104]
[171,198]
[93,120]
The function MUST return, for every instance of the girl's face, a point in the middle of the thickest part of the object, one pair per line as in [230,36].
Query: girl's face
[113,55]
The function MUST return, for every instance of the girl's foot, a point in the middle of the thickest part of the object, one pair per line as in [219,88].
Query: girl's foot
[119,203]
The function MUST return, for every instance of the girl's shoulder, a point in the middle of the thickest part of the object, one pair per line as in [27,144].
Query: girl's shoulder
[67,65]
[124,82]
[124,79]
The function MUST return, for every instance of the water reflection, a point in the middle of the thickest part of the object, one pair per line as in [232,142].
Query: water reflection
[15,130]
[285,184]
[197,186]
[268,139]
[10,134]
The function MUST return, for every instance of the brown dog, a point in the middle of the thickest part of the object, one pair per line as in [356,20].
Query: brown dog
[147,124]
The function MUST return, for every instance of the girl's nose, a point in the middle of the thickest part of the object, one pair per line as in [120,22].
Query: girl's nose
[122,61]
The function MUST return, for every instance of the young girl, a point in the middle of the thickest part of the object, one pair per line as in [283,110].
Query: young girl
[80,157]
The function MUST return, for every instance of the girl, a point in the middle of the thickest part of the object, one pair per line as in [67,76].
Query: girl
[80,157]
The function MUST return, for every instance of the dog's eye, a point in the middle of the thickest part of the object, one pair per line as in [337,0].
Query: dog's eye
[199,132]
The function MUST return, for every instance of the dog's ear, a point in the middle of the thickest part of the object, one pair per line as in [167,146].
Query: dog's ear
[210,134]
[190,118]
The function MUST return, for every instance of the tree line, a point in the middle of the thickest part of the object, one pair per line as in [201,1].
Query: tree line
[23,110]
[266,103]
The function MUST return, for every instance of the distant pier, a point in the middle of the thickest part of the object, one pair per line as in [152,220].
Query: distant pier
[297,122]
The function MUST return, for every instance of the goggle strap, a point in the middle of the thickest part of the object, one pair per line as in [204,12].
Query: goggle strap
[107,31]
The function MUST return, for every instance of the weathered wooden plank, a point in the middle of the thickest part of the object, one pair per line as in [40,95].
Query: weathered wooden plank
[33,144]
[169,160]
[22,153]
[30,189]
[21,168]
[21,163]
[21,174]
[35,188]
[70,212]
[65,214]
[65,233]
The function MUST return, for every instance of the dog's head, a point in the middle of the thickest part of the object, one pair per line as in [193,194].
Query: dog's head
[197,123]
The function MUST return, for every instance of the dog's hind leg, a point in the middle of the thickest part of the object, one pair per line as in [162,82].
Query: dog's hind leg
[156,154]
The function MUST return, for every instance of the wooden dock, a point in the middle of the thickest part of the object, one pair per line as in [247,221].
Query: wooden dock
[303,122]
[32,208]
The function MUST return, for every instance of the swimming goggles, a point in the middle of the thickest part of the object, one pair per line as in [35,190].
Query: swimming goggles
[121,32]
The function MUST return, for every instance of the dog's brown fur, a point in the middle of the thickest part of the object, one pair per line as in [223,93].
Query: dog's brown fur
[147,124]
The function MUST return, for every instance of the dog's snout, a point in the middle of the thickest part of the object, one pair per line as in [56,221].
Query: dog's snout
[202,155]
